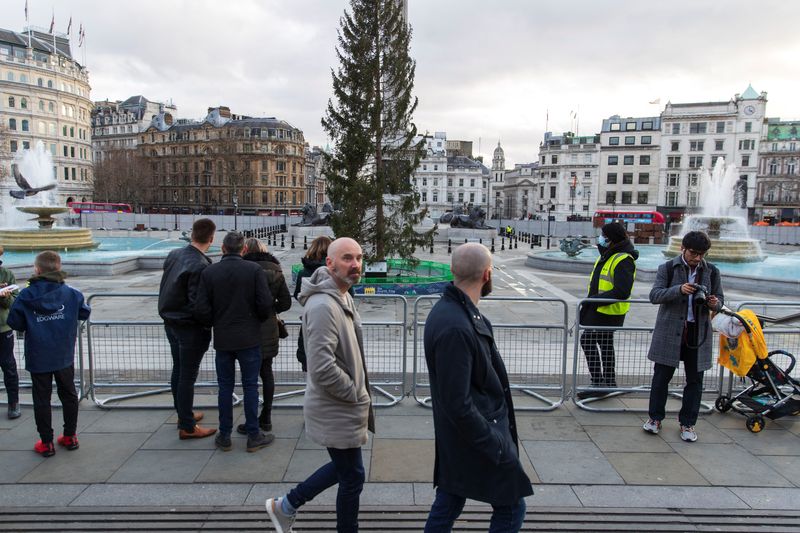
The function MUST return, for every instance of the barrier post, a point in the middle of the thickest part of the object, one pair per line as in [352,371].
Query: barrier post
[292,246]
[449,246]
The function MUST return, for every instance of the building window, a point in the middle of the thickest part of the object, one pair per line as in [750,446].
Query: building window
[721,126]
[23,103]
[745,160]
[611,178]
[25,125]
[641,197]
[12,124]
[696,146]
[627,197]
[627,160]
[644,159]
[719,145]
[615,126]
[748,127]
[613,160]
[630,139]
[697,127]
[676,129]
[461,197]
[552,191]
[435,196]
[460,182]
[13,146]
[613,141]
[672,198]
[646,139]
[693,179]
[791,165]
[553,159]
[675,146]
[472,182]
[644,178]
[11,101]
[695,161]
[673,179]
[424,196]
[627,178]
[630,126]
[472,197]
[691,199]
[773,167]
[674,161]
[714,159]
[611,197]
[748,144]
[647,125]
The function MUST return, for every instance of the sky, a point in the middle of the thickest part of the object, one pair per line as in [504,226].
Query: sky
[487,71]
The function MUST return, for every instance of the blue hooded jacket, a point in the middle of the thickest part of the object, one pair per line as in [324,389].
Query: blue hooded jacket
[48,311]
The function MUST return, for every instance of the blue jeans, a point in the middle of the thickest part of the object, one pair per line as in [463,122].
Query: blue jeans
[347,469]
[447,507]
[188,345]
[249,365]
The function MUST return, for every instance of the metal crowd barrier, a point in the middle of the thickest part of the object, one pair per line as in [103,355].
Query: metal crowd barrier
[135,355]
[634,372]
[534,353]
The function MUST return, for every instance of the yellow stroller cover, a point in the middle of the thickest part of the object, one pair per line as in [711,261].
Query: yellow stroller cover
[739,355]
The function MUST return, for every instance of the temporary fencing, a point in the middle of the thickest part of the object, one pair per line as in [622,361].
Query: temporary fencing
[534,352]
[634,371]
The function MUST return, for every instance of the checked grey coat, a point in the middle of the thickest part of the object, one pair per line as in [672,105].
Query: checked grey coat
[665,346]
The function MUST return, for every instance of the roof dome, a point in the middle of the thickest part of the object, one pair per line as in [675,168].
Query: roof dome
[498,152]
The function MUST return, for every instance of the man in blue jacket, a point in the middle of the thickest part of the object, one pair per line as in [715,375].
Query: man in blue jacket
[477,453]
[48,311]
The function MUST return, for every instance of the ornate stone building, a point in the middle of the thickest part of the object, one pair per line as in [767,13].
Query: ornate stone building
[44,97]
[116,125]
[568,166]
[778,182]
[223,162]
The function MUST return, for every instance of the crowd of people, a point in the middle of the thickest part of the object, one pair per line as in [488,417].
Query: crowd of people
[239,299]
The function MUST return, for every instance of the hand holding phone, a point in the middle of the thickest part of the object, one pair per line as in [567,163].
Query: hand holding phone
[8,289]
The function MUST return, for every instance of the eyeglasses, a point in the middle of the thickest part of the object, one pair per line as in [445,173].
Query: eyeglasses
[696,253]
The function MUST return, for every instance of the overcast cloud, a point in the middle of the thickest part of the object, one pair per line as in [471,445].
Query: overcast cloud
[486,70]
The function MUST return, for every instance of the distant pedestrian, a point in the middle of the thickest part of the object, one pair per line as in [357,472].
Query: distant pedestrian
[234,298]
[255,250]
[338,408]
[8,293]
[48,311]
[612,277]
[477,452]
[314,258]
[188,338]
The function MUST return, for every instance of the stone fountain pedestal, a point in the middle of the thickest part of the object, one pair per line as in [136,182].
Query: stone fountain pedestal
[46,237]
[729,239]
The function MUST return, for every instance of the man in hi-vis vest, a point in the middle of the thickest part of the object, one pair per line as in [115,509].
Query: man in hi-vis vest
[612,277]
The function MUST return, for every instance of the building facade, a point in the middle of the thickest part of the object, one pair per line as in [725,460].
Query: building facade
[225,163]
[695,135]
[568,167]
[629,159]
[316,186]
[44,97]
[519,189]
[778,184]
[116,125]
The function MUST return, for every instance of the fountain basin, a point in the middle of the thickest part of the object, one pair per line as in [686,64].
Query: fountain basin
[28,239]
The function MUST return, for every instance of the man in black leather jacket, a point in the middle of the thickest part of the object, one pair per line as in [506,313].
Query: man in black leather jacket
[188,339]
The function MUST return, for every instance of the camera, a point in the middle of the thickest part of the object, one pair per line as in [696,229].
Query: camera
[700,294]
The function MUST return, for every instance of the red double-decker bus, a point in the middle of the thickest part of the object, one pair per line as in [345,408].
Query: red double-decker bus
[637,217]
[99,207]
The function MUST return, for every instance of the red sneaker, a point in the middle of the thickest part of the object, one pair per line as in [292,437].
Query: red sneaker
[68,442]
[45,449]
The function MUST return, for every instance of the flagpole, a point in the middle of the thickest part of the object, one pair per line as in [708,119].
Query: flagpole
[29,24]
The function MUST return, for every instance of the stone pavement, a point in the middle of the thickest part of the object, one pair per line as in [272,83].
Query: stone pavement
[580,460]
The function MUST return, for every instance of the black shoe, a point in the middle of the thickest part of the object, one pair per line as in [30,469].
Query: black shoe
[586,394]
[14,411]
[223,442]
[259,441]
[242,430]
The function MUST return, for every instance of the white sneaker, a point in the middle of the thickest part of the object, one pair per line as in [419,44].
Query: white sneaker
[688,434]
[282,522]
[652,426]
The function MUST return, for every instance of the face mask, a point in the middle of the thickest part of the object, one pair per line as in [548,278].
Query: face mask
[602,241]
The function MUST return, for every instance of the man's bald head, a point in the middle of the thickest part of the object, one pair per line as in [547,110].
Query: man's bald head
[344,262]
[469,262]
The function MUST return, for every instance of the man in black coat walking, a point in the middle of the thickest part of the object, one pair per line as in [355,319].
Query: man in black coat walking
[234,298]
[477,452]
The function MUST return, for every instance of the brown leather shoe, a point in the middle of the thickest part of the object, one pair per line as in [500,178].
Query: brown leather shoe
[198,433]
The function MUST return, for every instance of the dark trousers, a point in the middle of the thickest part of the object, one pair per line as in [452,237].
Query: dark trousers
[43,390]
[268,382]
[692,391]
[9,366]
[347,469]
[249,364]
[598,346]
[447,507]
[188,345]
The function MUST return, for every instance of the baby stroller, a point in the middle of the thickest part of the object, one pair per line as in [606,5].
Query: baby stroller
[773,392]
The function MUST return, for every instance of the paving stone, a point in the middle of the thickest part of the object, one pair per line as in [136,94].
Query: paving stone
[162,466]
[527,465]
[549,496]
[16,464]
[305,443]
[706,433]
[24,435]
[138,495]
[266,464]
[285,426]
[166,438]
[658,497]
[99,456]
[626,439]
[305,462]
[767,498]
[552,428]
[402,460]
[729,465]
[570,462]
[787,465]
[411,427]
[655,469]
[603,419]
[47,495]
[128,421]
[766,442]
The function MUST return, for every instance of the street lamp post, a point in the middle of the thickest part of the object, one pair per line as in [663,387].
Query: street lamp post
[175,207]
[235,211]
[549,210]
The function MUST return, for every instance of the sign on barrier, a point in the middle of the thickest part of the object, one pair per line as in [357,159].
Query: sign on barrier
[534,352]
[628,356]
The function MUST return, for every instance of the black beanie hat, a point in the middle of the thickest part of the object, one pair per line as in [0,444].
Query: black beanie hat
[615,232]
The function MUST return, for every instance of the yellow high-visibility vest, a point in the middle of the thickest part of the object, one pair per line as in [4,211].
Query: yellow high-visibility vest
[606,283]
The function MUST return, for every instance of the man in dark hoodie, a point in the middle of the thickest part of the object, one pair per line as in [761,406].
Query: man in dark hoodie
[48,311]
[612,277]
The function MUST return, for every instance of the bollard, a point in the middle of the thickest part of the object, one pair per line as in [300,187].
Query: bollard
[480,241]
[292,245]
[465,240]
[449,246]
[305,242]
[531,243]
[431,244]
[516,242]
[283,242]
[492,250]
[502,243]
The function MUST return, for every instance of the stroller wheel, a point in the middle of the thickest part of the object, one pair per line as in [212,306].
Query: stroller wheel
[723,404]
[755,423]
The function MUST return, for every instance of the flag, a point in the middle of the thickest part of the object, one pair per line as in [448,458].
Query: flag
[69,25]
[81,35]
[53,22]
[656,101]
[26,10]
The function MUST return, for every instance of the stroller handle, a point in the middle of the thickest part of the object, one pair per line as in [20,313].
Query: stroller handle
[791,357]
[727,311]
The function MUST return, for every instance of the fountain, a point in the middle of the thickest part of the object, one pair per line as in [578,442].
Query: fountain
[723,198]
[34,175]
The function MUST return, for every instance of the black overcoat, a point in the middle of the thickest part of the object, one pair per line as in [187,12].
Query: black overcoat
[477,453]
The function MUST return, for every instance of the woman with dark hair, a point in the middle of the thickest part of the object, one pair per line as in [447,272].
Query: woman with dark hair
[314,258]
[255,250]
